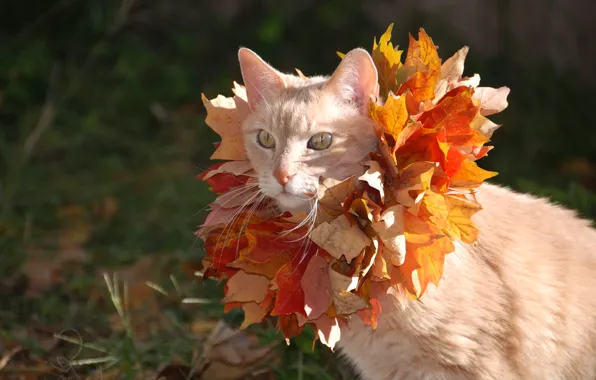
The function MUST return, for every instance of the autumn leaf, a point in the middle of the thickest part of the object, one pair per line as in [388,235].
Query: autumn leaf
[253,313]
[243,287]
[225,118]
[344,300]
[392,115]
[459,218]
[387,59]
[422,55]
[374,177]
[340,238]
[383,232]
[328,330]
[491,100]
[317,288]
[391,232]
[470,175]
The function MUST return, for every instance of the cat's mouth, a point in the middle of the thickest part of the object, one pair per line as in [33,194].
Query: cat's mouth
[293,203]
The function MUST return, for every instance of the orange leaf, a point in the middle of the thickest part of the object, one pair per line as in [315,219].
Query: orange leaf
[225,116]
[470,175]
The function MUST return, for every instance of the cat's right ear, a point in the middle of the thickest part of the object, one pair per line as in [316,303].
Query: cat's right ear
[259,77]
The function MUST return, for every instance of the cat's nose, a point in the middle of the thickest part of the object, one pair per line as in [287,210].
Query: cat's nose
[282,176]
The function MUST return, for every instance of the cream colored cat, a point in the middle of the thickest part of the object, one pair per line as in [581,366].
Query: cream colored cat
[519,305]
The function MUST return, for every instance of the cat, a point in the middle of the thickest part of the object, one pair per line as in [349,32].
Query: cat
[519,304]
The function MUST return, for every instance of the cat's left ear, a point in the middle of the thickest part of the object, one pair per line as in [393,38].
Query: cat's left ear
[260,79]
[355,79]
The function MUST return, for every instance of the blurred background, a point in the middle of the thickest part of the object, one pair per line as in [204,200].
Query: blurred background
[102,134]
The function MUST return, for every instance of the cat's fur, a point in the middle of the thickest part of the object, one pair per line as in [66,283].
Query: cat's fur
[518,305]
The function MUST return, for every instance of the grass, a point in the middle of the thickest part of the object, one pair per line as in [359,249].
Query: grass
[101,136]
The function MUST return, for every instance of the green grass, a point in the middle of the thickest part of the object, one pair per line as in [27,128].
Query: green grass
[102,134]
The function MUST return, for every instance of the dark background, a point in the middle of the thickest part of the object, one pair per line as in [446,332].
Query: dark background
[101,122]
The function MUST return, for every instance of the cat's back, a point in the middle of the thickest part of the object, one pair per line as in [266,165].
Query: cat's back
[519,304]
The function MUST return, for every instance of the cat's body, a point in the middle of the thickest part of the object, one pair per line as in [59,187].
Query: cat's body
[519,304]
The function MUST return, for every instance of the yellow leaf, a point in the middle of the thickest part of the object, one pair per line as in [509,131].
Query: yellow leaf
[470,175]
[387,59]
[391,116]
[460,218]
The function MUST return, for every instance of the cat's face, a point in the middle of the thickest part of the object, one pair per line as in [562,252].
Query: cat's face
[300,130]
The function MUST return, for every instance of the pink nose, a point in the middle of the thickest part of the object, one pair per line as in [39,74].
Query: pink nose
[282,176]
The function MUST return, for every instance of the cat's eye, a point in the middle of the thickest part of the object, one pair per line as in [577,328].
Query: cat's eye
[265,139]
[320,141]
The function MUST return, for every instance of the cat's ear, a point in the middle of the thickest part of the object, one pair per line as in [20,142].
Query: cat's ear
[259,78]
[355,79]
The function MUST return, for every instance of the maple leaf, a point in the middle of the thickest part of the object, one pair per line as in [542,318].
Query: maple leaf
[290,296]
[225,116]
[491,100]
[344,301]
[253,313]
[422,55]
[374,177]
[328,330]
[340,238]
[243,287]
[387,59]
[392,115]
[317,288]
[459,218]
[383,233]
[391,232]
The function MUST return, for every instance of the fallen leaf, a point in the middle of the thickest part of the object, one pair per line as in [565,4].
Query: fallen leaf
[230,354]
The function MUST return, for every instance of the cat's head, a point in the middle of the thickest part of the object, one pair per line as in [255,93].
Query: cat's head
[301,129]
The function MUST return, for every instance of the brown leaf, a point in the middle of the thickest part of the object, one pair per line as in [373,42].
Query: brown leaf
[339,238]
[374,177]
[231,354]
[344,300]
[244,287]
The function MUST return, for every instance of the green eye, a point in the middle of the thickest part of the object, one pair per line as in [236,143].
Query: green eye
[265,139]
[320,141]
